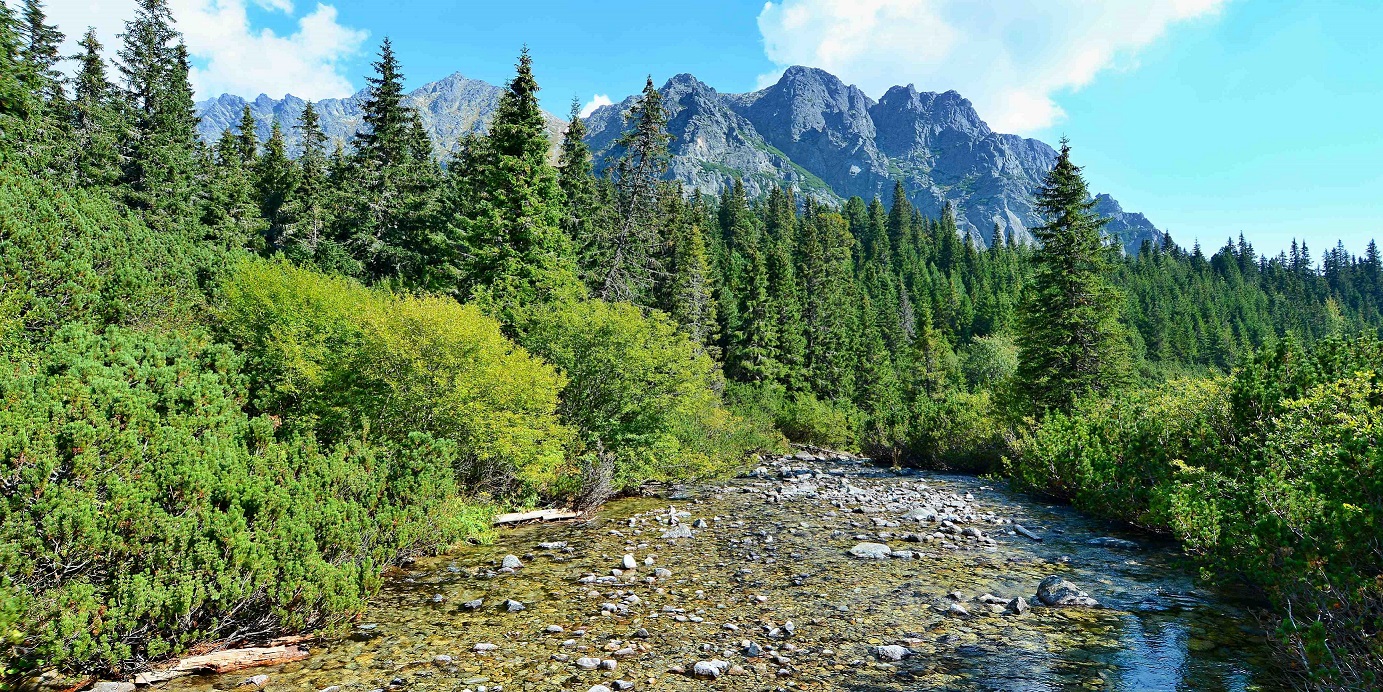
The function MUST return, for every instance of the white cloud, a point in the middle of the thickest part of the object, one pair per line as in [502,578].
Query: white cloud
[231,55]
[1009,57]
[596,102]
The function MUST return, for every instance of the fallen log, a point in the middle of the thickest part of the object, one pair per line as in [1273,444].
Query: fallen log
[1019,528]
[536,515]
[224,662]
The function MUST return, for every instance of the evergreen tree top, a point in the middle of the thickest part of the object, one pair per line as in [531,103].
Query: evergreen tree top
[248,139]
[386,118]
[92,84]
[518,128]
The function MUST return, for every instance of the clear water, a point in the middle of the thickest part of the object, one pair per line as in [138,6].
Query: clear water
[1160,631]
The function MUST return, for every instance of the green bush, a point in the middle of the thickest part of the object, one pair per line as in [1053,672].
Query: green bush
[328,356]
[639,391]
[1295,509]
[988,362]
[955,430]
[1116,458]
[144,512]
[69,256]
[1273,478]
[800,416]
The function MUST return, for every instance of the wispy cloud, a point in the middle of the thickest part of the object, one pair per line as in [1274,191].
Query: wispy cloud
[229,53]
[1009,57]
[596,102]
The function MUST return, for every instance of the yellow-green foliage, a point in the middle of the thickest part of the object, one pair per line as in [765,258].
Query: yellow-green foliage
[329,355]
[639,388]
[800,416]
[1117,457]
[956,430]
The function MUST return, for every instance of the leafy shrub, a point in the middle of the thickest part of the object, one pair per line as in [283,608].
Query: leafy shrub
[1116,458]
[1272,477]
[328,356]
[639,389]
[799,416]
[988,362]
[955,430]
[1295,510]
[143,511]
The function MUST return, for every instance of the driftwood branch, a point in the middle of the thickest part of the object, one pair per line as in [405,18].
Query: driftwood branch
[224,662]
[536,515]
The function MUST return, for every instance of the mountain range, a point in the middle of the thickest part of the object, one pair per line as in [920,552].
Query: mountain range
[809,130]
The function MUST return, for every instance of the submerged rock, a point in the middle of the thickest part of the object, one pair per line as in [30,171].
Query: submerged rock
[1057,592]
[871,551]
[892,653]
[1111,542]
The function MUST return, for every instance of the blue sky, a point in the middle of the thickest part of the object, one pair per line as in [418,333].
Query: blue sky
[1210,116]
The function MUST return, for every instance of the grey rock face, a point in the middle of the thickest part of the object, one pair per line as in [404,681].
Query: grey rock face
[712,144]
[810,131]
[451,108]
[831,141]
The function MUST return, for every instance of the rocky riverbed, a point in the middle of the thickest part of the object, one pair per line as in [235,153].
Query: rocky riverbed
[810,573]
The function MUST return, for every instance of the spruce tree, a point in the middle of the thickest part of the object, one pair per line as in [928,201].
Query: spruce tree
[781,239]
[1070,343]
[830,305]
[386,216]
[15,99]
[96,125]
[307,215]
[247,137]
[880,394]
[504,210]
[229,202]
[41,54]
[629,256]
[690,296]
[157,151]
[581,217]
[276,181]
[381,140]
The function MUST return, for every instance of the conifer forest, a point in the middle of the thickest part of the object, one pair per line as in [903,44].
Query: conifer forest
[241,382]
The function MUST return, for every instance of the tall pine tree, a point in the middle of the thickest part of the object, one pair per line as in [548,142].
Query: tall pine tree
[505,209]
[1071,344]
[629,258]
[96,119]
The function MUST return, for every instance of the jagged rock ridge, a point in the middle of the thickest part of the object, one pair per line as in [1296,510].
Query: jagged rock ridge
[451,108]
[810,130]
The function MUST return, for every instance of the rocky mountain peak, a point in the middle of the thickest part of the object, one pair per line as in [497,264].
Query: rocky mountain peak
[809,130]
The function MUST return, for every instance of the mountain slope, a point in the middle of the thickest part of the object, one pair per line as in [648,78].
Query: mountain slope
[810,130]
[451,108]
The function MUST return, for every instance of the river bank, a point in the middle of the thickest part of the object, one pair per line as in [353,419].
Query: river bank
[805,574]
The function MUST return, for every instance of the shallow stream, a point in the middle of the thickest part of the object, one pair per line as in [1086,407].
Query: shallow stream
[775,548]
